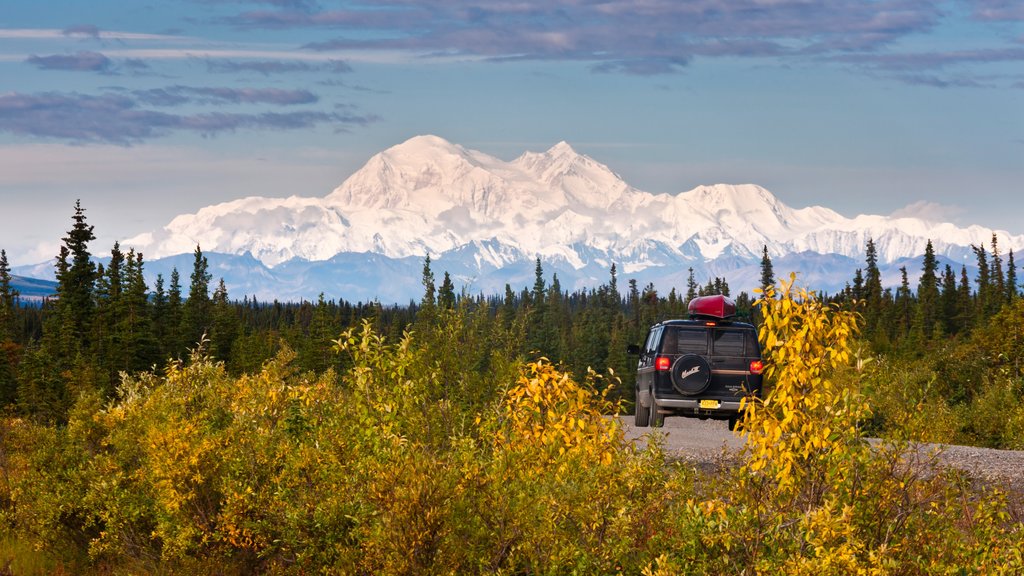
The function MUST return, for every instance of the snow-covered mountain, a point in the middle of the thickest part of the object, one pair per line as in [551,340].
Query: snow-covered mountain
[483,219]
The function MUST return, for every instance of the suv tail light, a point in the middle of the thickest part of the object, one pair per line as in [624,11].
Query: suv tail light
[662,363]
[756,367]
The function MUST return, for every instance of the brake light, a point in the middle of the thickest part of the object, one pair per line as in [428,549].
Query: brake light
[710,324]
[756,367]
[662,363]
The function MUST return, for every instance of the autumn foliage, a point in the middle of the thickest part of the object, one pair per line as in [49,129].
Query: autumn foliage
[409,461]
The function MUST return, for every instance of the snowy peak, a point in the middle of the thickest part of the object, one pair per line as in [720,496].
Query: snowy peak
[430,196]
[583,181]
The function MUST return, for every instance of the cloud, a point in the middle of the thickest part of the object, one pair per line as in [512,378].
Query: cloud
[118,119]
[653,37]
[80,61]
[178,95]
[929,211]
[88,30]
[998,10]
[268,67]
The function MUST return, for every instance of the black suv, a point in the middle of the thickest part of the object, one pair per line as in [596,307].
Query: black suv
[700,368]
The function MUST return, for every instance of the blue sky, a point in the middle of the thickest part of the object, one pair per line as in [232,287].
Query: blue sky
[148,109]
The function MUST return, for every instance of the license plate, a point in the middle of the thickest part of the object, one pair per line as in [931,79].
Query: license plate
[709,404]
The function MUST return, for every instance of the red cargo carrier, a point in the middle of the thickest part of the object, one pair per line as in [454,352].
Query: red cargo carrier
[716,306]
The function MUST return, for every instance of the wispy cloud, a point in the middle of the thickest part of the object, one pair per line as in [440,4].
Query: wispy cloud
[998,10]
[178,95]
[268,67]
[119,119]
[653,37]
[930,211]
[80,61]
[88,30]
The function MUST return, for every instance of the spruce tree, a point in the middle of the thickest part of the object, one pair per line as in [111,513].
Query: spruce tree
[196,314]
[429,291]
[107,348]
[872,289]
[9,351]
[76,275]
[174,342]
[224,328]
[904,305]
[136,322]
[8,297]
[767,273]
[983,301]
[691,287]
[964,303]
[1011,278]
[928,293]
[159,309]
[948,299]
[538,330]
[998,280]
[857,291]
[446,296]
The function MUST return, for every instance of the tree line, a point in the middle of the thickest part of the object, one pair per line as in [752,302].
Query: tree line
[104,320]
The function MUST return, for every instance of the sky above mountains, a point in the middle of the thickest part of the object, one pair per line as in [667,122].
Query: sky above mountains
[148,109]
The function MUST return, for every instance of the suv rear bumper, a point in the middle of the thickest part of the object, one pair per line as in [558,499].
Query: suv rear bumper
[694,404]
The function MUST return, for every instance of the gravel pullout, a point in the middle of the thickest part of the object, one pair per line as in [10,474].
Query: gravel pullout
[705,442]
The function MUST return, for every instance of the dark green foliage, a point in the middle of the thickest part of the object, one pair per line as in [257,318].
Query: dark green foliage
[928,294]
[197,311]
[1012,288]
[767,273]
[8,295]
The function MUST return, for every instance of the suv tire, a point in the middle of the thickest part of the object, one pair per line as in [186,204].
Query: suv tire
[641,414]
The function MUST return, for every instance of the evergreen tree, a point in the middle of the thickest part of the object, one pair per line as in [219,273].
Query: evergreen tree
[426,316]
[136,322]
[159,308]
[539,331]
[196,314]
[9,351]
[948,301]
[928,293]
[872,290]
[107,347]
[174,341]
[1011,278]
[998,292]
[76,275]
[964,304]
[429,290]
[691,287]
[224,329]
[446,296]
[983,301]
[857,291]
[8,297]
[904,305]
[767,273]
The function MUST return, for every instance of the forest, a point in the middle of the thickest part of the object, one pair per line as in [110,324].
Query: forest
[169,429]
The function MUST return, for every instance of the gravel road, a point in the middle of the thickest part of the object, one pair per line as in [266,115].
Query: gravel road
[705,442]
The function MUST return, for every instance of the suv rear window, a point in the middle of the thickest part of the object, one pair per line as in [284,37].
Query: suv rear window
[682,341]
[728,343]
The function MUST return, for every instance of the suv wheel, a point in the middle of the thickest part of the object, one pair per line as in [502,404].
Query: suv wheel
[641,415]
[656,420]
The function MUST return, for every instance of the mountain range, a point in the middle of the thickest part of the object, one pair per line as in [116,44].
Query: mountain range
[486,220]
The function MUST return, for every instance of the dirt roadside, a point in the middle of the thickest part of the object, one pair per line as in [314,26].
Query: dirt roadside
[709,443]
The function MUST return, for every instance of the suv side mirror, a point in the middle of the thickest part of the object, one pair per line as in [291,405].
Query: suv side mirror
[632,349]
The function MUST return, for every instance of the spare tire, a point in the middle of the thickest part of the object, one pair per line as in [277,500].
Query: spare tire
[691,374]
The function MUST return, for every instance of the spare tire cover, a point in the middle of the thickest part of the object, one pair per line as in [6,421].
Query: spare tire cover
[691,374]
